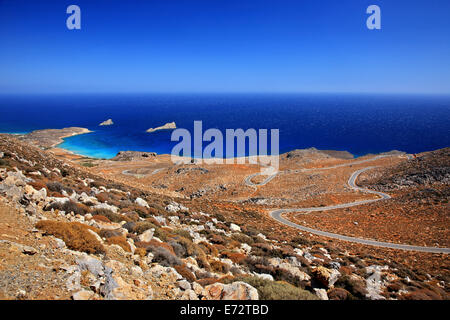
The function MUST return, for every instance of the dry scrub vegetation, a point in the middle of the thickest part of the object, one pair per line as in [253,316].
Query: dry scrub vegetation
[76,235]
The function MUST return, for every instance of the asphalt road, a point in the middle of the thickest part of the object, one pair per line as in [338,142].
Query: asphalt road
[277,214]
[248,179]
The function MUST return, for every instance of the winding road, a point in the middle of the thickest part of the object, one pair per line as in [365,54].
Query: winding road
[277,214]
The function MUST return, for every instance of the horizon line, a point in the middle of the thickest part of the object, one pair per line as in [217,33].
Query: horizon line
[224,93]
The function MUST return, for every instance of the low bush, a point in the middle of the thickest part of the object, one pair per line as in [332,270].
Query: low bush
[218,266]
[280,274]
[58,187]
[242,238]
[207,281]
[100,218]
[106,233]
[138,227]
[155,244]
[193,250]
[183,233]
[88,164]
[69,206]
[339,294]
[4,163]
[102,197]
[236,257]
[215,238]
[164,257]
[275,290]
[265,250]
[131,216]
[120,241]
[74,234]
[422,294]
[250,230]
[95,184]
[141,211]
[355,287]
[209,248]
[38,185]
[180,251]
[112,216]
[185,272]
[140,252]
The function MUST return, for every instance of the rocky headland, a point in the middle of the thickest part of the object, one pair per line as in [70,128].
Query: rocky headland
[48,138]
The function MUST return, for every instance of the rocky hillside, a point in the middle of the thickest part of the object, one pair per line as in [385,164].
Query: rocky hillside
[430,168]
[67,233]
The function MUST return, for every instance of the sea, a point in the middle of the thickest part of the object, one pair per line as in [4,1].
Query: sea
[357,123]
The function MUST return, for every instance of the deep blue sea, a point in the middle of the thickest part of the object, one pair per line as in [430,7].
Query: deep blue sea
[360,124]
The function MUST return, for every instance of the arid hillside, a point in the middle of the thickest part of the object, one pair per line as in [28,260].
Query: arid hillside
[77,231]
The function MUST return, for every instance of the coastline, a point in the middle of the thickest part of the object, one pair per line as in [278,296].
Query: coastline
[53,140]
[85,131]
[50,138]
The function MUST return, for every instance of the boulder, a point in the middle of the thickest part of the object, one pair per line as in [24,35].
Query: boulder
[235,291]
[174,207]
[141,202]
[189,295]
[87,200]
[35,195]
[321,293]
[198,289]
[147,236]
[106,206]
[92,265]
[161,220]
[184,284]
[246,248]
[235,228]
[264,276]
[325,277]
[83,295]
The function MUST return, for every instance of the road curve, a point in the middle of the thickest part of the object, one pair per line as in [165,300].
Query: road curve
[277,215]
[248,179]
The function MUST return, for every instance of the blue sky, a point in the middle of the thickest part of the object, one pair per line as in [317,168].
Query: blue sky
[225,46]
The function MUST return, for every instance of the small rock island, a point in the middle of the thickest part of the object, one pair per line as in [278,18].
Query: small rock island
[169,125]
[108,122]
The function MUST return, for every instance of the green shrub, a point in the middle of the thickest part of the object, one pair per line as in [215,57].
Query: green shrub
[88,164]
[275,290]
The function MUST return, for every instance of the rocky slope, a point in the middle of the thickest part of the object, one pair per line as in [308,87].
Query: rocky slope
[67,233]
[430,168]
